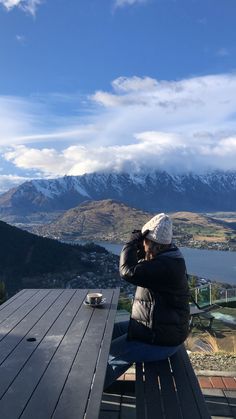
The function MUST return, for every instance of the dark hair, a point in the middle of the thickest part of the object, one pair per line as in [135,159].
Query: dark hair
[155,248]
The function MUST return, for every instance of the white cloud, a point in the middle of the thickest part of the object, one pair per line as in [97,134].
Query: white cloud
[19,117]
[21,39]
[134,84]
[127,91]
[9,181]
[31,120]
[195,94]
[69,134]
[176,126]
[154,150]
[121,3]
[28,6]
[47,160]
[9,4]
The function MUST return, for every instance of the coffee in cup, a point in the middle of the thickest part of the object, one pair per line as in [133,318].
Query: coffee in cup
[94,298]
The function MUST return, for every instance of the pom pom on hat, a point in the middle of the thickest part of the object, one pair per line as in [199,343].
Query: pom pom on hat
[160,229]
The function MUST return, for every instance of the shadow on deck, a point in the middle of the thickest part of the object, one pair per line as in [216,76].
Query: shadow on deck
[119,402]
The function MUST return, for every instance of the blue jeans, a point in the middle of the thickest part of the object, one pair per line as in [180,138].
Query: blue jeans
[123,353]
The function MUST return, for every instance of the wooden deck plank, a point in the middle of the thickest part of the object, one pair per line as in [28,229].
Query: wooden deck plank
[54,378]
[128,408]
[111,404]
[12,305]
[195,385]
[74,403]
[17,316]
[12,299]
[24,385]
[36,377]
[17,358]
[19,332]
[98,383]
[140,392]
[190,397]
[185,392]
[168,391]
[153,392]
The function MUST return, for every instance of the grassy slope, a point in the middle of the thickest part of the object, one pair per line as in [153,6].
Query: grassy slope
[113,221]
[203,227]
[97,220]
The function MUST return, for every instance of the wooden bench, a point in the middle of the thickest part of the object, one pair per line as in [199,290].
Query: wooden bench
[198,316]
[169,389]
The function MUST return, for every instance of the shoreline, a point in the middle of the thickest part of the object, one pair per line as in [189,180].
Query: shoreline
[210,265]
[203,263]
[119,243]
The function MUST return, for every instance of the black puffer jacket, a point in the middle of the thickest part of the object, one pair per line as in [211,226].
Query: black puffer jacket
[160,311]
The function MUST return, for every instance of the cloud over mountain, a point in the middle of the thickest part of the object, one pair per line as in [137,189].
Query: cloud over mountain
[8,181]
[165,151]
[178,126]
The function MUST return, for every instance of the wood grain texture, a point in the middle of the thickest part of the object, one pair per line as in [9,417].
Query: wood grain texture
[53,354]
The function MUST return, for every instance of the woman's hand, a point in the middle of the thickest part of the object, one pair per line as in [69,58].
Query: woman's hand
[137,236]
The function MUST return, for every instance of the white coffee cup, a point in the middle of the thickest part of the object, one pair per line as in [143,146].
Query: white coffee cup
[94,298]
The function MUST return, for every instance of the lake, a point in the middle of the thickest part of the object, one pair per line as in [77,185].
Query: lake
[212,264]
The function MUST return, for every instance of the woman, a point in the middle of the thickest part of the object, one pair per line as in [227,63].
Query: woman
[159,320]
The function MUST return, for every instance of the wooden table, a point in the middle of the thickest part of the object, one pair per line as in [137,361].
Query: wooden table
[53,353]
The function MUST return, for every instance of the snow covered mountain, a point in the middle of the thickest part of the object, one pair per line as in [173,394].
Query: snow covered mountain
[156,191]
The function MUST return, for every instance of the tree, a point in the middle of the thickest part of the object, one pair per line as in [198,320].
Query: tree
[192,281]
[124,304]
[2,292]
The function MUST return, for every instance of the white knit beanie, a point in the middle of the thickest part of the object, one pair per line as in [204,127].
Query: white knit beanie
[160,229]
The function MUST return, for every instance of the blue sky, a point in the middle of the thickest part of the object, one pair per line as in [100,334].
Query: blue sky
[94,85]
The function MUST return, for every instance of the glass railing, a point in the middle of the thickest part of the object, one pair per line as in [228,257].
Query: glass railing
[209,294]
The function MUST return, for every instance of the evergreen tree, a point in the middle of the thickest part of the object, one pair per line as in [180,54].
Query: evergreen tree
[2,292]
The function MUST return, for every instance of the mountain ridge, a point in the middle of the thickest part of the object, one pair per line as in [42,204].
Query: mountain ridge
[153,192]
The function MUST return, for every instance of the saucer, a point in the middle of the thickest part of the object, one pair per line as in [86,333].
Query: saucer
[95,305]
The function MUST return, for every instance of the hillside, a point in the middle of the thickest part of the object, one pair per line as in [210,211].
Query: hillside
[203,228]
[107,220]
[113,221]
[26,258]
